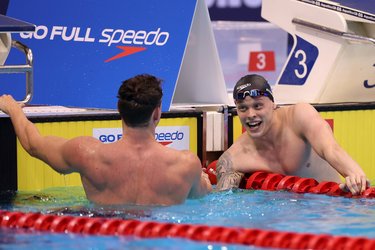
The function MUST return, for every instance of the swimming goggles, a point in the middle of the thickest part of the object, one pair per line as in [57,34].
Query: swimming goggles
[252,93]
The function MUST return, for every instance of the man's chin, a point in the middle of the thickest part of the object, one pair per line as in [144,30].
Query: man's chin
[254,133]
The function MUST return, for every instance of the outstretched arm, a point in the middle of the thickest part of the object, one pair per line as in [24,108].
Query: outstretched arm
[46,148]
[317,131]
[226,176]
[201,183]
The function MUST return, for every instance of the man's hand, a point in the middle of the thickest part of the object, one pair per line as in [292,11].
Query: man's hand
[355,184]
[204,176]
[7,103]
[211,172]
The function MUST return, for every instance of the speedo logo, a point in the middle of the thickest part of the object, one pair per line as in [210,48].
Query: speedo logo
[128,41]
[166,138]
[177,137]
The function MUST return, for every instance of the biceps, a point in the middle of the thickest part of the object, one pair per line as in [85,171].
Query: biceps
[309,124]
[321,137]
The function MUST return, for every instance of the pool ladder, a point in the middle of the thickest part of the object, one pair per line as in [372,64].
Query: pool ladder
[26,68]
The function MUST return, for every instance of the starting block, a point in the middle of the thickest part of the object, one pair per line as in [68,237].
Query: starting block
[333,56]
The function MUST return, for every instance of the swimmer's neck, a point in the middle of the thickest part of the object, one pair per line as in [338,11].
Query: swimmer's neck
[138,134]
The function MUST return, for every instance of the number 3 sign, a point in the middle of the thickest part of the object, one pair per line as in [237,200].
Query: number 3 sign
[262,61]
[300,63]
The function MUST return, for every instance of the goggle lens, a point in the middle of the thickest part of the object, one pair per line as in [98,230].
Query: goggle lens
[251,93]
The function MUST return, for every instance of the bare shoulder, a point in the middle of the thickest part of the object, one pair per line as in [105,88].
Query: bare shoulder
[239,146]
[302,109]
[84,141]
[302,113]
[306,119]
[186,164]
[81,146]
[242,147]
[190,158]
[77,153]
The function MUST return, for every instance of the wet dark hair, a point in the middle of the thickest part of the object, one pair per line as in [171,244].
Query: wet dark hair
[137,99]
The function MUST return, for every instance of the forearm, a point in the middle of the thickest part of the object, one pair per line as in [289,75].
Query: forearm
[27,133]
[206,186]
[339,159]
[45,148]
[355,179]
[319,134]
[229,180]
[201,187]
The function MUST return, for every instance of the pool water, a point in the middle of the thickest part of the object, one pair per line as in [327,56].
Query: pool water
[270,210]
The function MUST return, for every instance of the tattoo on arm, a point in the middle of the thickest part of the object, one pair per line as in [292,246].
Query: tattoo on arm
[226,176]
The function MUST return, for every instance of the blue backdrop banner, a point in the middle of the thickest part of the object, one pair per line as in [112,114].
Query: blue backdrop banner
[84,49]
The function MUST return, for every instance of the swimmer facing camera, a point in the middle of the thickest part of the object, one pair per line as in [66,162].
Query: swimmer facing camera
[290,140]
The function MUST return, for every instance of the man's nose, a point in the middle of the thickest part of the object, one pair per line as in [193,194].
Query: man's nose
[251,112]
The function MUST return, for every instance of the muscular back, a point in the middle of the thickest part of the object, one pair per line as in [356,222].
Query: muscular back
[138,174]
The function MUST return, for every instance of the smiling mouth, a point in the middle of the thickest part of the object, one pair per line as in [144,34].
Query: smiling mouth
[253,125]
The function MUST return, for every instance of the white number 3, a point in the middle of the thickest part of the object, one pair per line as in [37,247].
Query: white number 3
[302,62]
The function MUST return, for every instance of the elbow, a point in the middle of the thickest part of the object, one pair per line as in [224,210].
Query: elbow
[31,150]
[31,141]
[33,145]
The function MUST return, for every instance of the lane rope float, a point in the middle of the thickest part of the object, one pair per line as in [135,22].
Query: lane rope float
[274,182]
[205,233]
[201,233]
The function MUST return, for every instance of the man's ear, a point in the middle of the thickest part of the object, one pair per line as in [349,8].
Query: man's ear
[156,115]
